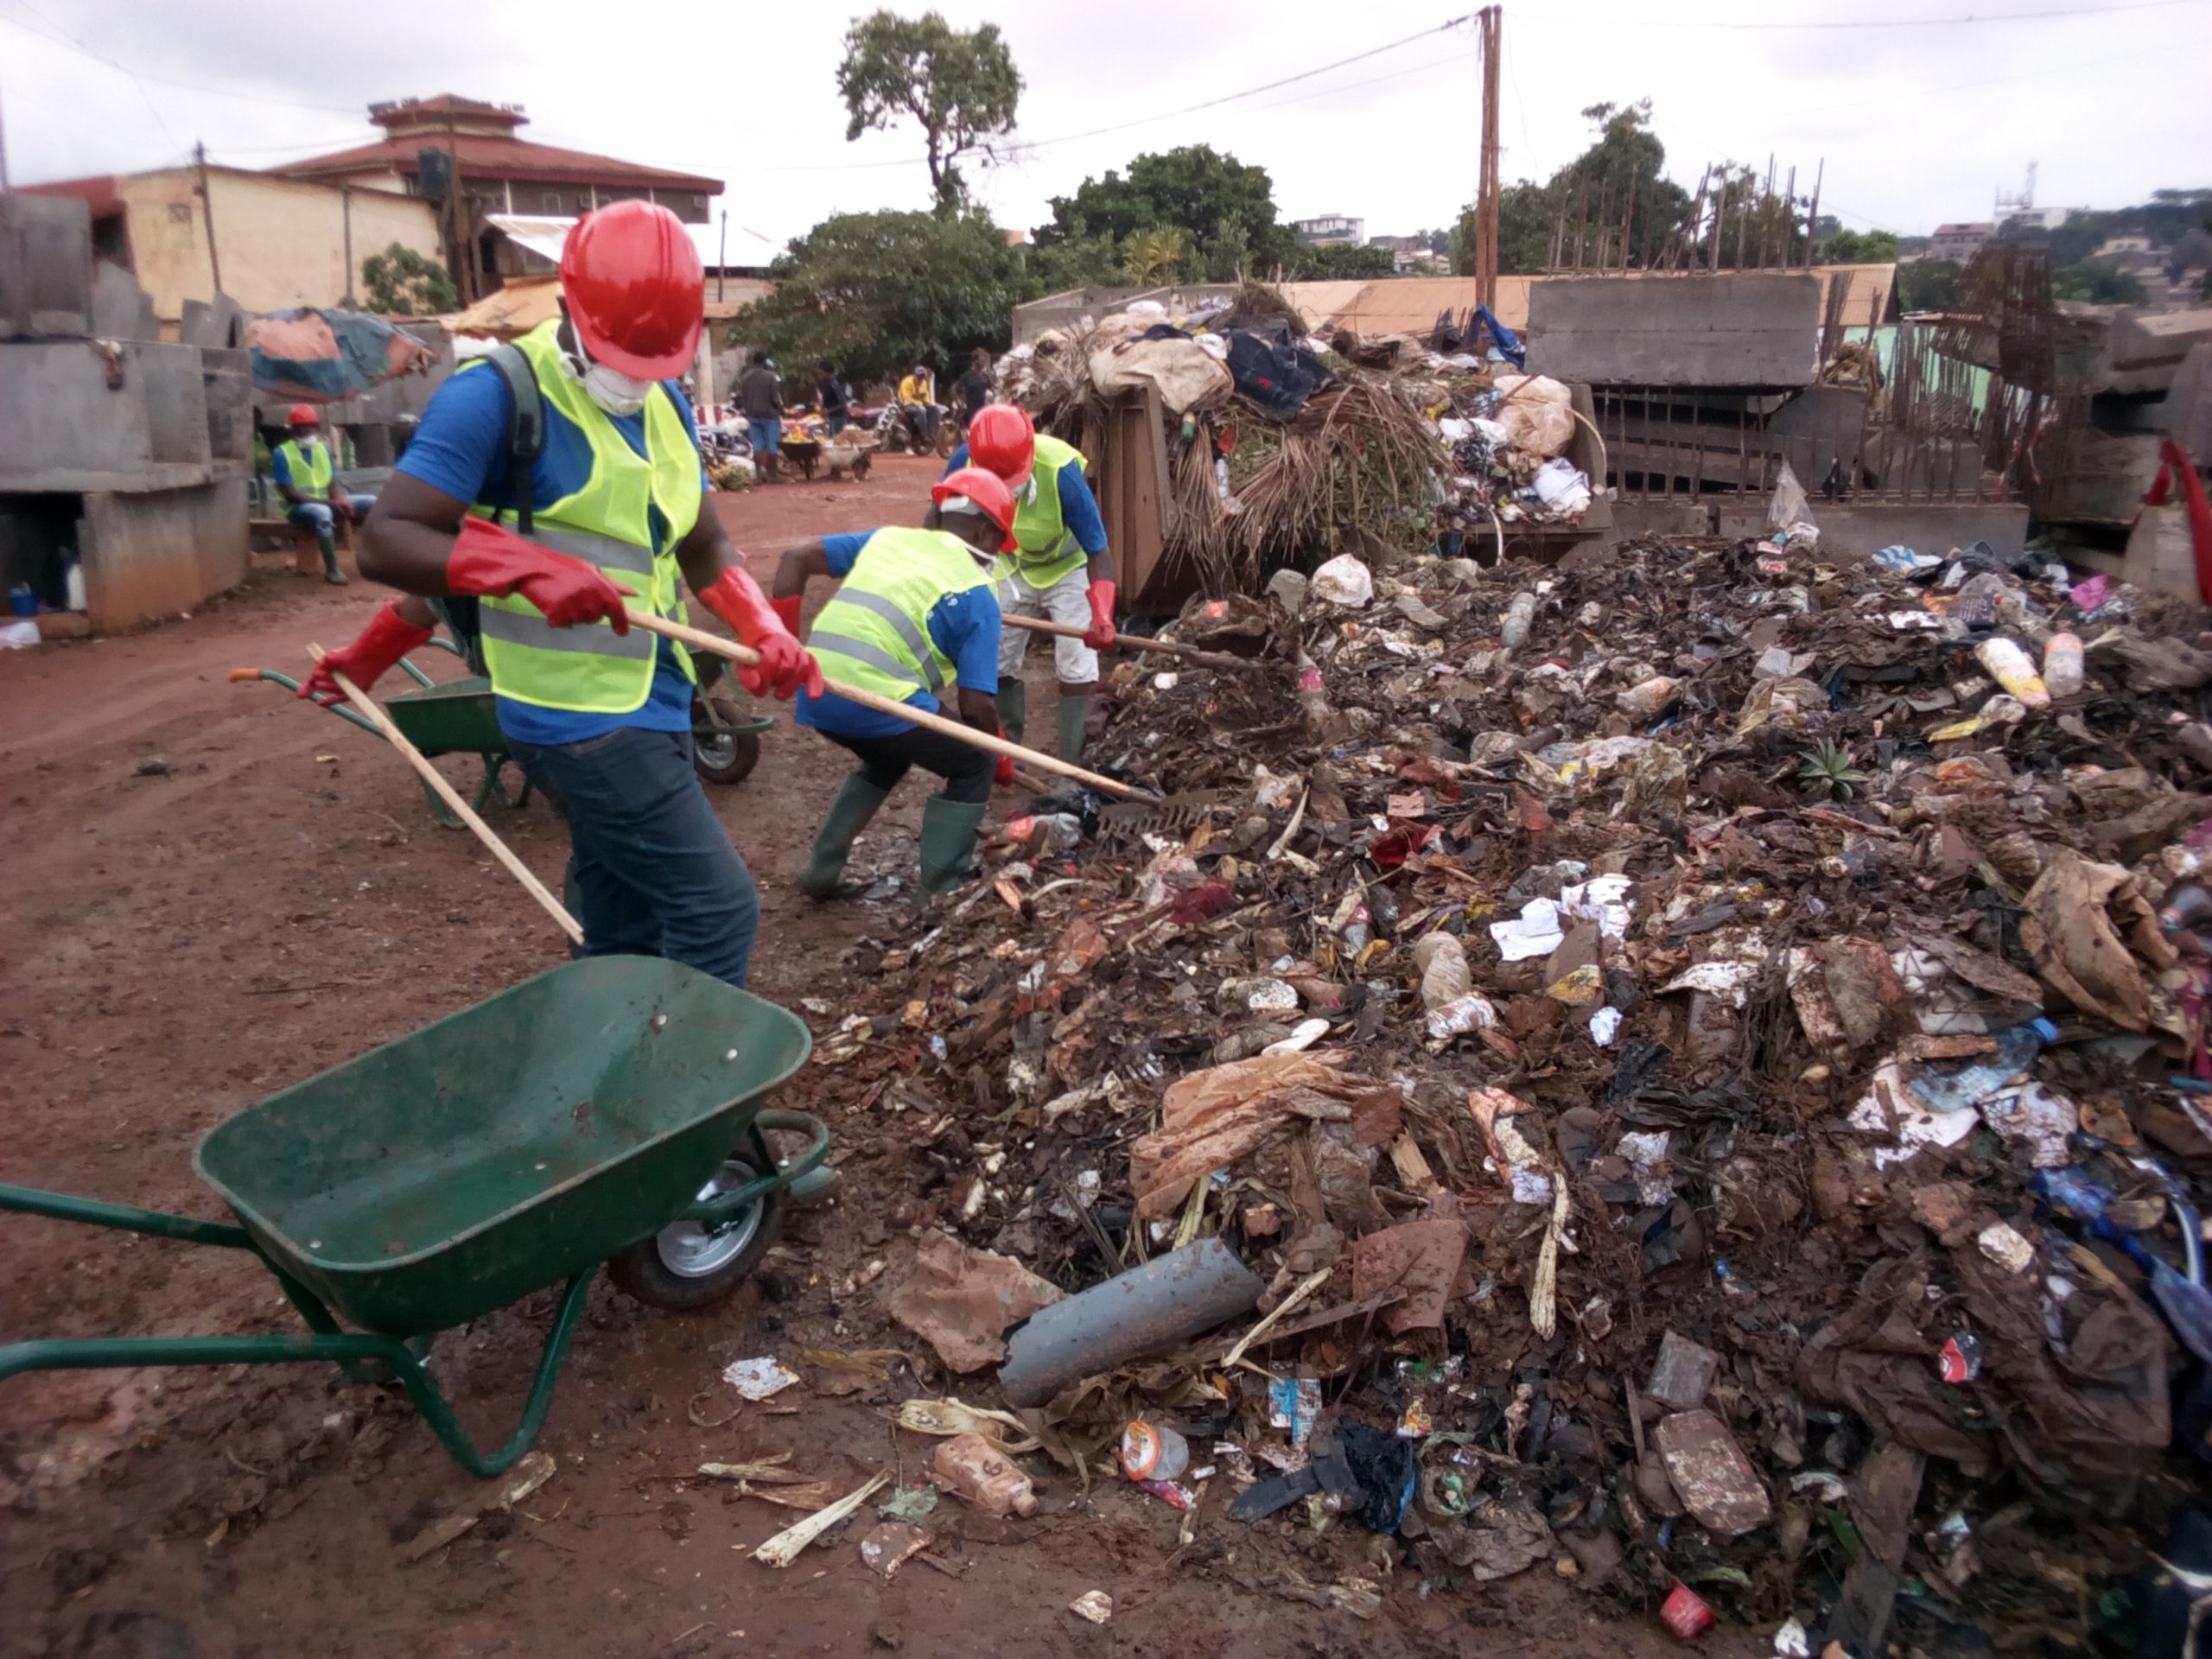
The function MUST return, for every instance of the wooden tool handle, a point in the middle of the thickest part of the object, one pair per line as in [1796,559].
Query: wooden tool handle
[237,675]
[451,797]
[1139,642]
[953,729]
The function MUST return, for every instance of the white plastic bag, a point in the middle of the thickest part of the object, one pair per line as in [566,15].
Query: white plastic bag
[1536,411]
[1342,580]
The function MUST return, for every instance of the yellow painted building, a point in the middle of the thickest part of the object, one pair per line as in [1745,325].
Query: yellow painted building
[279,242]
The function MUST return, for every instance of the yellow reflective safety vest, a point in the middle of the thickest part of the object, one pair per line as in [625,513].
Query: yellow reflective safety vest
[589,669]
[1049,551]
[308,469]
[874,634]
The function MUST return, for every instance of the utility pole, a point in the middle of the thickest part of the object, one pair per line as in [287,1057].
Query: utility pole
[3,152]
[346,198]
[721,259]
[207,208]
[1488,23]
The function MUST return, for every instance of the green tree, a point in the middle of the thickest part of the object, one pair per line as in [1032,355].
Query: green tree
[1081,262]
[2101,281]
[1226,209]
[1340,262]
[1861,248]
[960,85]
[404,283]
[1928,284]
[876,291]
[1156,255]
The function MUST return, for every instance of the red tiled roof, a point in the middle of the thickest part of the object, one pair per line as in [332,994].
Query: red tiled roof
[502,158]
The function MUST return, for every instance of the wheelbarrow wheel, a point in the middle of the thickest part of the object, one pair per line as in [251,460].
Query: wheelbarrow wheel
[688,1264]
[722,751]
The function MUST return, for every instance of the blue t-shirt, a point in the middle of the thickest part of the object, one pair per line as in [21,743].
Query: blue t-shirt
[964,626]
[460,449]
[1078,506]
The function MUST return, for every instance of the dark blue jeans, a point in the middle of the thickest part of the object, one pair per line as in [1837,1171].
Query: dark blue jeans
[651,868]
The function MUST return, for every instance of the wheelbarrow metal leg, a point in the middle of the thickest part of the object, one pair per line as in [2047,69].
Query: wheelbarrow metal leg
[94,1353]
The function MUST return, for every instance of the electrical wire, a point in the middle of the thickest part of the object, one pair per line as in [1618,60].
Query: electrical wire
[1525,18]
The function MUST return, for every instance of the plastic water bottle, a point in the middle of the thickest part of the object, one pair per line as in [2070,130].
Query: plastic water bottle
[2062,664]
[1442,961]
[1975,1082]
[1519,616]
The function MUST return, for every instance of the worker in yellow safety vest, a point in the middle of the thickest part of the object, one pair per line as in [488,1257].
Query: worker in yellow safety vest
[915,614]
[1062,567]
[613,511]
[305,475]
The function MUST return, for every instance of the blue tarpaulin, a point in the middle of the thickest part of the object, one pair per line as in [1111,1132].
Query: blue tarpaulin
[321,356]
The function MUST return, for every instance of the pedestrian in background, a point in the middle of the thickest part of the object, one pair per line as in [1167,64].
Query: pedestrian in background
[760,399]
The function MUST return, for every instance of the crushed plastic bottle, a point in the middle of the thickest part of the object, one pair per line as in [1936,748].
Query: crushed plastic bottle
[970,1467]
[2011,668]
[1970,1084]
[1442,962]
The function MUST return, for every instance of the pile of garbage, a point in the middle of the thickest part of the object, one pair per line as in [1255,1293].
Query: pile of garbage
[1280,448]
[1682,1072]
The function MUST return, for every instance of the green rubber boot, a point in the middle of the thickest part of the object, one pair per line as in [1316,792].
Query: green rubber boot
[949,843]
[331,573]
[1074,708]
[856,803]
[1014,705]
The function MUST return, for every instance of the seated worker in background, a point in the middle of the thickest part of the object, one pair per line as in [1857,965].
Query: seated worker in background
[915,612]
[1063,570]
[760,396]
[598,715]
[918,396]
[302,469]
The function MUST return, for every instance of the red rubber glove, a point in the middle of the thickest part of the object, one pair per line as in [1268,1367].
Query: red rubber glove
[1099,636]
[1002,774]
[489,559]
[785,663]
[388,637]
[787,612]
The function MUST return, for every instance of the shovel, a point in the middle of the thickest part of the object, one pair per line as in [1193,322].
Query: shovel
[1139,642]
[955,729]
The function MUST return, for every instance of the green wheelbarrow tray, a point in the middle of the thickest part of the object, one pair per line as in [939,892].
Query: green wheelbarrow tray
[479,1159]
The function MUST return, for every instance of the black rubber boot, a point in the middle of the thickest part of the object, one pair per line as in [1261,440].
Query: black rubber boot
[1074,708]
[856,803]
[949,830]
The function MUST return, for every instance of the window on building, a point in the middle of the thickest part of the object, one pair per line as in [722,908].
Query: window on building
[550,201]
[698,204]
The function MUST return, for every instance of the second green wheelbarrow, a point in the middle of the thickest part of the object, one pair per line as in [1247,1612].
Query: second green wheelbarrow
[607,1111]
[462,717]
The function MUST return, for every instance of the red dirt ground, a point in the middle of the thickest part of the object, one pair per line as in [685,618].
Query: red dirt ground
[271,899]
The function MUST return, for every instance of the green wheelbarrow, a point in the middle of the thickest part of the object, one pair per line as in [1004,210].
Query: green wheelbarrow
[462,717]
[607,1111]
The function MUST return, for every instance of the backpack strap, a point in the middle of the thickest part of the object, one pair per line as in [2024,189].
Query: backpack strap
[526,428]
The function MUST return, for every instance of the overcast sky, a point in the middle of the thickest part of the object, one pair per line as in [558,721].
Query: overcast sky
[1916,123]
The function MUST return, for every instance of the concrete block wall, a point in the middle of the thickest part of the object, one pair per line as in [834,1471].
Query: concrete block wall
[46,267]
[80,414]
[150,554]
[1732,329]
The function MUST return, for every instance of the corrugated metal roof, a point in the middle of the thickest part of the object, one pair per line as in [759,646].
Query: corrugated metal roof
[546,234]
[502,158]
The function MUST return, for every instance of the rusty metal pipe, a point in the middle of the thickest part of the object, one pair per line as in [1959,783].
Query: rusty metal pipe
[1176,1296]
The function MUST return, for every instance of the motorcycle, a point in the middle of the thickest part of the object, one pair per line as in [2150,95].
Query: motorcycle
[898,430]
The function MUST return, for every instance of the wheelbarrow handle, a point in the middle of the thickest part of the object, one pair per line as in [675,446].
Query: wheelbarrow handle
[242,676]
[725,1206]
[123,1217]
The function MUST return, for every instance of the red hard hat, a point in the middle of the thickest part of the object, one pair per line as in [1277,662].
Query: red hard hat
[635,289]
[303,415]
[987,491]
[1002,438]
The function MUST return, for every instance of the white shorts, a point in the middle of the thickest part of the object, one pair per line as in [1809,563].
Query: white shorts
[1067,601]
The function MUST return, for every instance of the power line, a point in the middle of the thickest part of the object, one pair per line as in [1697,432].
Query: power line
[1971,20]
[55,34]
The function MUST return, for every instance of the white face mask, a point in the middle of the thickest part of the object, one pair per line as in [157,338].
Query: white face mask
[612,391]
[313,441]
